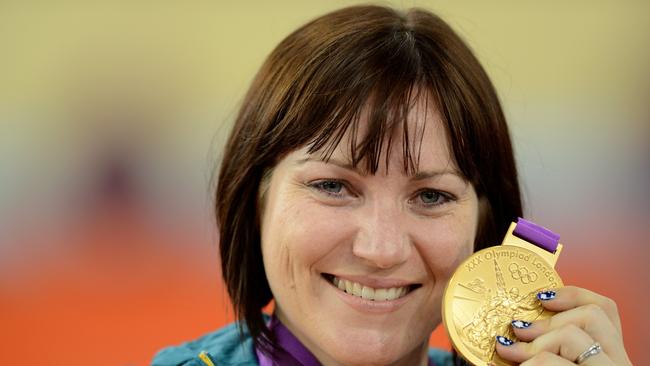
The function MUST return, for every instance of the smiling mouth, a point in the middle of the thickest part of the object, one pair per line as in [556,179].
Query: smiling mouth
[369,293]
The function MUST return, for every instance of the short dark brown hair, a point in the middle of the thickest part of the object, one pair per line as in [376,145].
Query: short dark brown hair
[311,90]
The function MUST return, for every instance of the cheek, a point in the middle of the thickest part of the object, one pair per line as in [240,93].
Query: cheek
[448,244]
[297,234]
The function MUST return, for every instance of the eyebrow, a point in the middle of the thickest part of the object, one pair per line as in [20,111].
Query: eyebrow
[340,164]
[416,177]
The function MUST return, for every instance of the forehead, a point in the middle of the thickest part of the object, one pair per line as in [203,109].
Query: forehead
[412,144]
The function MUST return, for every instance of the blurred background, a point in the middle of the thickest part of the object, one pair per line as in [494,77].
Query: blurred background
[112,116]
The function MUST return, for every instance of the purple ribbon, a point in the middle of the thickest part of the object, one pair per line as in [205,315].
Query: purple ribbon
[292,352]
[538,235]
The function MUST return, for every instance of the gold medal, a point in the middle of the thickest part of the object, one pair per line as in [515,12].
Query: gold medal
[495,286]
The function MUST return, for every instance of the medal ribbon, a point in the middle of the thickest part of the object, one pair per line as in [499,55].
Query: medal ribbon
[535,234]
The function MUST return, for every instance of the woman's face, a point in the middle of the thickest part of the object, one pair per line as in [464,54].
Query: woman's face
[357,263]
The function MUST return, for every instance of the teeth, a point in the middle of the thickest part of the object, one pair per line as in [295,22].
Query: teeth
[369,293]
[356,289]
[381,294]
[341,284]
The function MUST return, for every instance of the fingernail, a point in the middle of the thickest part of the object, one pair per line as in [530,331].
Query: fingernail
[521,324]
[505,341]
[546,295]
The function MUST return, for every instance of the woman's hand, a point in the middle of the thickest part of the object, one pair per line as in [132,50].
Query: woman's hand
[583,320]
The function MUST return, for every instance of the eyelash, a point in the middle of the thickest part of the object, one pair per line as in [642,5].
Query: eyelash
[319,186]
[445,197]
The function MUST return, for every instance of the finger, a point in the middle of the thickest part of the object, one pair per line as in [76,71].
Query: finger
[570,297]
[590,318]
[568,342]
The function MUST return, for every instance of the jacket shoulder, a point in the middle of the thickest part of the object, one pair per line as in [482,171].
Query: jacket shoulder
[226,347]
[441,357]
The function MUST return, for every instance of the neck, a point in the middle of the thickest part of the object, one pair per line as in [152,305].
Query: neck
[418,356]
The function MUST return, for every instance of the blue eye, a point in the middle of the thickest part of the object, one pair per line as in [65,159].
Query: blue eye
[432,198]
[330,186]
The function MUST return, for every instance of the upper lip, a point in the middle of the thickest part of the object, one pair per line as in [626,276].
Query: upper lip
[373,281]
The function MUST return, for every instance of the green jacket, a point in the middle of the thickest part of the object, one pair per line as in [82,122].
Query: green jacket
[224,347]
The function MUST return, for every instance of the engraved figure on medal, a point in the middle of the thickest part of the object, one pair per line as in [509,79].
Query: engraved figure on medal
[498,308]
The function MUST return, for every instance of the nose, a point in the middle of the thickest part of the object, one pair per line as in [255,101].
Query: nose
[382,241]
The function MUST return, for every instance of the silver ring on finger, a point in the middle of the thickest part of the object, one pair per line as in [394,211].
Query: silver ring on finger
[593,350]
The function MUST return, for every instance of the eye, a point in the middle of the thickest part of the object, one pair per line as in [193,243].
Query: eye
[432,198]
[329,187]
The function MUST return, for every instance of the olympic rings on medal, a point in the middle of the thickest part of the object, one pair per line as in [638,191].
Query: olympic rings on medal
[522,274]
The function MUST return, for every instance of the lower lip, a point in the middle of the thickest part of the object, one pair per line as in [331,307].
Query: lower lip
[370,306]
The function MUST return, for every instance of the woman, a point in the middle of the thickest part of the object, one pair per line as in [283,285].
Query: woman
[369,158]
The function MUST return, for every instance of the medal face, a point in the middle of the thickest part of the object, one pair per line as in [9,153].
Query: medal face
[490,289]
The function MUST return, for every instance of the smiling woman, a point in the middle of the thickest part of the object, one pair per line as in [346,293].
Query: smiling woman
[369,158]
[353,256]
